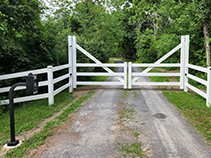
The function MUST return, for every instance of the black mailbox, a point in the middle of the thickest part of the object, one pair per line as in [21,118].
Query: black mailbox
[31,84]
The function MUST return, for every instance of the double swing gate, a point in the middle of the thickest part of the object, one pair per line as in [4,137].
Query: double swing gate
[128,67]
[133,77]
[127,78]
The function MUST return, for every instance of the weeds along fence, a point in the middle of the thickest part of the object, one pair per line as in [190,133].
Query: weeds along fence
[50,82]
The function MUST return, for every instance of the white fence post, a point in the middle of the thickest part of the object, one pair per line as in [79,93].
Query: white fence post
[129,75]
[50,85]
[70,61]
[182,62]
[209,87]
[186,62]
[74,62]
[125,75]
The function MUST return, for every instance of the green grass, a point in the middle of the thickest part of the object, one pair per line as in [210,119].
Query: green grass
[192,106]
[133,149]
[30,114]
[39,138]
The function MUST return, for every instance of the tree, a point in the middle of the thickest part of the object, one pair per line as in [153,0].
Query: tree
[204,16]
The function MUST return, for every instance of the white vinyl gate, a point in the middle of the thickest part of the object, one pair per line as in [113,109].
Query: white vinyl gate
[134,76]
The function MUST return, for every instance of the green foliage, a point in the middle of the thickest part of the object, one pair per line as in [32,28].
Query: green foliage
[146,48]
[168,20]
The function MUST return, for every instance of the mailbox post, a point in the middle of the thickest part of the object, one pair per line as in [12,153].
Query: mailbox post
[31,88]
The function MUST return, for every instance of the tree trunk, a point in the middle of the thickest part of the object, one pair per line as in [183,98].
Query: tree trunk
[207,45]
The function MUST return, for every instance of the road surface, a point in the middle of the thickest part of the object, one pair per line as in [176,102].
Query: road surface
[114,119]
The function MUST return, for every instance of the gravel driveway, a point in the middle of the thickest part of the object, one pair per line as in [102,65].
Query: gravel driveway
[115,118]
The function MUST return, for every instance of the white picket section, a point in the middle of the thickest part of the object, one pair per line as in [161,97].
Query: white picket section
[50,83]
[207,83]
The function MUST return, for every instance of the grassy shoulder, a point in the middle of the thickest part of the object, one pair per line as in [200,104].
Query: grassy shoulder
[191,105]
[30,114]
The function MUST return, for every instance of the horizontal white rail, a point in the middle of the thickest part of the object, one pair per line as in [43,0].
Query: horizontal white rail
[27,98]
[6,89]
[199,68]
[155,74]
[156,65]
[98,65]
[56,80]
[197,79]
[22,74]
[197,90]
[156,83]
[99,83]
[57,68]
[61,89]
[98,74]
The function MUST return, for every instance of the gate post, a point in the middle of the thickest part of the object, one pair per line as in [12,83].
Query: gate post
[125,75]
[186,62]
[50,86]
[208,100]
[74,62]
[129,75]
[182,62]
[70,61]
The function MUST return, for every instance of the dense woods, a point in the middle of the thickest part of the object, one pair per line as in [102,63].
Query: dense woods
[33,33]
